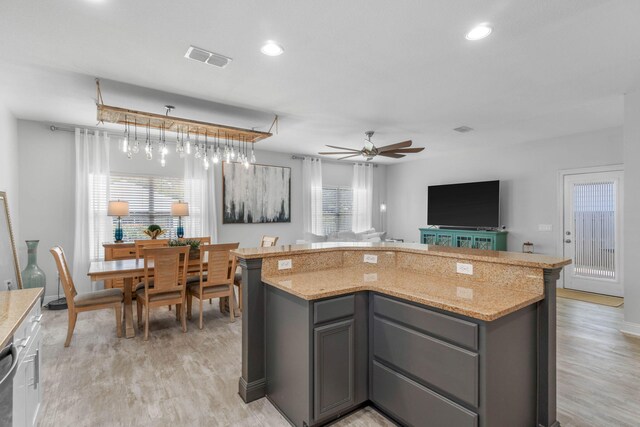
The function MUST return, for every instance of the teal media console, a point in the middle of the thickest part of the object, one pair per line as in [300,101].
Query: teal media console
[458,238]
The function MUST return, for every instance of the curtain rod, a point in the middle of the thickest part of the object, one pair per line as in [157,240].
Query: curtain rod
[295,157]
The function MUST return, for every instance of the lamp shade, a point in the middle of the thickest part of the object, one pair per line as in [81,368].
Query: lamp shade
[180,209]
[118,208]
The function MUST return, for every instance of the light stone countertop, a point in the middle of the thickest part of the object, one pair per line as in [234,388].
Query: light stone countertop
[498,257]
[477,300]
[14,307]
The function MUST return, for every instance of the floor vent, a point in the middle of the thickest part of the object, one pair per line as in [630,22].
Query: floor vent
[207,57]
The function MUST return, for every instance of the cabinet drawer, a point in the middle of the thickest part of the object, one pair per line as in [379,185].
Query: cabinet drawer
[442,366]
[448,328]
[123,253]
[414,404]
[334,308]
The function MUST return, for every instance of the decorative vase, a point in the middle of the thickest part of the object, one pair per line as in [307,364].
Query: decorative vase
[32,275]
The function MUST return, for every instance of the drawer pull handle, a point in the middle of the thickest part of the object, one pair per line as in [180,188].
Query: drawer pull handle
[37,319]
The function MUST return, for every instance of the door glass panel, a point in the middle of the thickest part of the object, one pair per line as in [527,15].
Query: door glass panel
[594,217]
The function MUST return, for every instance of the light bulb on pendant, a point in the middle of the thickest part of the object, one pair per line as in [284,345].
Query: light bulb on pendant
[163,161]
[206,163]
[233,152]
[136,147]
[125,143]
[165,150]
[253,156]
[188,147]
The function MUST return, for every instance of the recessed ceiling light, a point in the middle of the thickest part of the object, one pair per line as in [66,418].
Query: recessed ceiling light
[479,32]
[271,48]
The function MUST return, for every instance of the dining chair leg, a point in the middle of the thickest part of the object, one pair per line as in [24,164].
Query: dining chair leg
[240,297]
[201,310]
[178,310]
[169,307]
[73,316]
[118,308]
[146,323]
[189,305]
[183,316]
[210,300]
[232,304]
[139,310]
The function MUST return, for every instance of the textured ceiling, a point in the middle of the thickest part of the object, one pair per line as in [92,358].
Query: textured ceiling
[403,68]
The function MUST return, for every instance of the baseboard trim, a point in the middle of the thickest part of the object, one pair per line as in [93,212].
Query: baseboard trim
[630,328]
[252,391]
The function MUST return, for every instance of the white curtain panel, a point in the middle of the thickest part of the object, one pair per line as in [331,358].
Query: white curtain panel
[92,225]
[199,193]
[362,197]
[312,195]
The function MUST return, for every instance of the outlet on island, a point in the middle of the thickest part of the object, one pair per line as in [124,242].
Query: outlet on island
[284,264]
[371,259]
[462,268]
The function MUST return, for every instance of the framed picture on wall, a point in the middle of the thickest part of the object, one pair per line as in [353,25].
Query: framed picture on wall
[258,194]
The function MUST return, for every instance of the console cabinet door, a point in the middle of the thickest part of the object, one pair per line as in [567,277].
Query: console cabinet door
[334,368]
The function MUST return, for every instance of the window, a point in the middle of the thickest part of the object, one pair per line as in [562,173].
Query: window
[150,199]
[336,208]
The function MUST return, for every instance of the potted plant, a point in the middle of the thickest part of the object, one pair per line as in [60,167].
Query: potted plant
[194,246]
[154,231]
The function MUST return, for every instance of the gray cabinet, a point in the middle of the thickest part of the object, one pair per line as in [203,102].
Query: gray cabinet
[316,355]
[433,368]
[333,368]
[419,365]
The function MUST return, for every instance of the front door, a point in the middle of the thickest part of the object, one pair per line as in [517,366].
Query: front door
[592,231]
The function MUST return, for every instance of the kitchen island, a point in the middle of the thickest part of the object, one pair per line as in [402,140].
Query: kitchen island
[429,335]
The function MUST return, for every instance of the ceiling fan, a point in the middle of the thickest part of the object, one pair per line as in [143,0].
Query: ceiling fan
[369,151]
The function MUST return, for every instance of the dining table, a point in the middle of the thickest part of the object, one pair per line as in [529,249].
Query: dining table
[128,270]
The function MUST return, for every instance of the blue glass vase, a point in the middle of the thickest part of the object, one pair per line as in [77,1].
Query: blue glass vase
[32,275]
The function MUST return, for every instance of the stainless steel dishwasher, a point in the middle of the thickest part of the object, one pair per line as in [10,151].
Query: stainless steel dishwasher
[8,367]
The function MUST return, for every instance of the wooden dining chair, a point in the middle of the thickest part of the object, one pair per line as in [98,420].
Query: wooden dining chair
[77,303]
[268,241]
[141,245]
[216,278]
[169,283]
[265,242]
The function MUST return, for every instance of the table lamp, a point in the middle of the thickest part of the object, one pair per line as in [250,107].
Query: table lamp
[119,209]
[180,209]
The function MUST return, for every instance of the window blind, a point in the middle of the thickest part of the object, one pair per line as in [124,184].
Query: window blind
[150,199]
[337,203]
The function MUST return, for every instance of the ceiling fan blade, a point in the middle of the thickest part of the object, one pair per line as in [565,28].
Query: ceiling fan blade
[403,144]
[338,152]
[346,157]
[342,148]
[392,155]
[406,150]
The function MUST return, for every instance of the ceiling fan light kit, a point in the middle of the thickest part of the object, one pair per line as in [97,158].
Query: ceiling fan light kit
[369,151]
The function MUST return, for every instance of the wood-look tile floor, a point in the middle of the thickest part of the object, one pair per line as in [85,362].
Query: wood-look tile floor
[191,379]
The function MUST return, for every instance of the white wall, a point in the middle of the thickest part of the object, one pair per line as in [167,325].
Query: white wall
[9,170]
[46,177]
[632,213]
[9,162]
[528,173]
[47,181]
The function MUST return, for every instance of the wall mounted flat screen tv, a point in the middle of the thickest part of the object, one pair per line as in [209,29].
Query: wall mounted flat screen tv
[468,205]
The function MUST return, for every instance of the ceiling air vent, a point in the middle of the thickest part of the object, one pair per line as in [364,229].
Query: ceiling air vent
[463,129]
[207,57]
